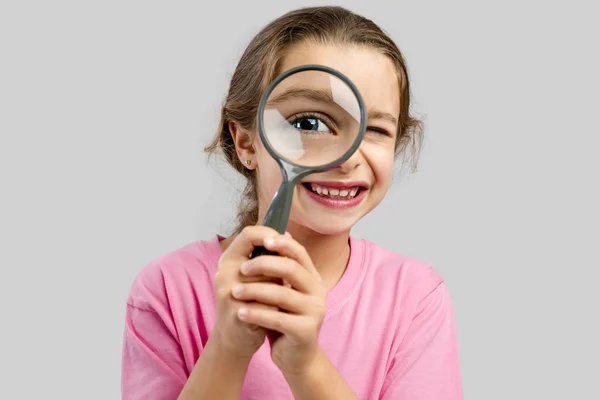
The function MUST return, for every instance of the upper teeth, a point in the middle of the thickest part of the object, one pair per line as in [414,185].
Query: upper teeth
[325,191]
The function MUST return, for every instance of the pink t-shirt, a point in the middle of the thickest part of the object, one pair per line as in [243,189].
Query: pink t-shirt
[389,328]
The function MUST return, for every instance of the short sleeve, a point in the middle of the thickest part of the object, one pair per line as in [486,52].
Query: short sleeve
[426,365]
[152,363]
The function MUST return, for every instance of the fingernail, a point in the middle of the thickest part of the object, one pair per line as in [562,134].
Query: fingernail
[245,267]
[237,290]
[242,313]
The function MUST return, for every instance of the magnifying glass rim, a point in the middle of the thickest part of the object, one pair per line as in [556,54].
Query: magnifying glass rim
[311,67]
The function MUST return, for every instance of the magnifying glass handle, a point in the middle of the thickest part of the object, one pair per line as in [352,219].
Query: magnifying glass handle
[278,212]
[261,251]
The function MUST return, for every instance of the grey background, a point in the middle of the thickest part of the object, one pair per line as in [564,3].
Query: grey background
[105,107]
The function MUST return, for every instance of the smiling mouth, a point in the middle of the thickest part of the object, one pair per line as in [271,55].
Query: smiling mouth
[337,192]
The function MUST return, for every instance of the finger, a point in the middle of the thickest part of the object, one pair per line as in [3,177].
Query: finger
[262,306]
[291,325]
[256,306]
[237,303]
[286,246]
[273,295]
[258,278]
[285,269]
[249,238]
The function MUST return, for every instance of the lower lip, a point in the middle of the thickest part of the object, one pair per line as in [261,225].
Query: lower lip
[336,203]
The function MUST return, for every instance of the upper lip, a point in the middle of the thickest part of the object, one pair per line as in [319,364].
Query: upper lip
[340,185]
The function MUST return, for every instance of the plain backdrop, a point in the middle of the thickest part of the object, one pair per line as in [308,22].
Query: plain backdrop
[105,107]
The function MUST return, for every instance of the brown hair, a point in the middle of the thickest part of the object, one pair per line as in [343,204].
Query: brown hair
[262,58]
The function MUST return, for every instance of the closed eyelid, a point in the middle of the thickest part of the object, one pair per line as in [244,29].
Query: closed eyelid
[382,131]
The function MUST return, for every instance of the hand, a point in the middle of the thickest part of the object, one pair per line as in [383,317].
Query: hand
[233,335]
[300,305]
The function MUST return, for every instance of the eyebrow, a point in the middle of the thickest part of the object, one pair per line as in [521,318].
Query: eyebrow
[310,94]
[376,114]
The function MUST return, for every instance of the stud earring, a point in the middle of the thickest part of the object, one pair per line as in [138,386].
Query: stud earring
[248,162]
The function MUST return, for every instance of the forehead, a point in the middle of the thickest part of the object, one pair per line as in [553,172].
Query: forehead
[372,72]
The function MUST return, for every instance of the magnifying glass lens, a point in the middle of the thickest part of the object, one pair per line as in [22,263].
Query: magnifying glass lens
[311,118]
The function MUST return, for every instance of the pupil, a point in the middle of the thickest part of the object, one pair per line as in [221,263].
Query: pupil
[308,124]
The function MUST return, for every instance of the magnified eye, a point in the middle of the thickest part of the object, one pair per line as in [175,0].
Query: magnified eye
[310,124]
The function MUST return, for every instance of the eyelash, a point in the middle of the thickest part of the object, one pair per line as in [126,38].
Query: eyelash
[323,118]
[328,121]
[379,130]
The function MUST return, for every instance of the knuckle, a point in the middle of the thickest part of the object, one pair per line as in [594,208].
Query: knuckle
[217,279]
[220,275]
[268,230]
[312,324]
[316,327]
[278,322]
[221,263]
[246,232]
[319,307]
[221,278]
[253,327]
[277,297]
[322,293]
[288,266]
[222,293]
[286,269]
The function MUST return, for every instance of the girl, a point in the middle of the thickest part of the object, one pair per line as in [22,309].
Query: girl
[354,321]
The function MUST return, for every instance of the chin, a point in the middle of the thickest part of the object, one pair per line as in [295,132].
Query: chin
[323,225]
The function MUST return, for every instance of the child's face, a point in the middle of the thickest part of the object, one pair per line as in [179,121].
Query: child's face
[371,165]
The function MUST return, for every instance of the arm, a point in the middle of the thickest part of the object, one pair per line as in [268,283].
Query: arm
[216,375]
[153,366]
[321,382]
[426,366]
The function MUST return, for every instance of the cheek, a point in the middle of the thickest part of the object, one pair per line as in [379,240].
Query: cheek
[381,160]
[269,175]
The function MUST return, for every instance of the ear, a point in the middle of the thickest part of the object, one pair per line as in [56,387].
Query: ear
[244,144]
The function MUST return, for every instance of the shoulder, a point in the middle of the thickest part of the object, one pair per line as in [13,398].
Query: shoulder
[405,287]
[398,272]
[175,273]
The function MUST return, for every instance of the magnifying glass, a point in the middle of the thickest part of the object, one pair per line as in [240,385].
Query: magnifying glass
[310,119]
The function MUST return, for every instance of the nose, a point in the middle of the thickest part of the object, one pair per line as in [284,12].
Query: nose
[353,162]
